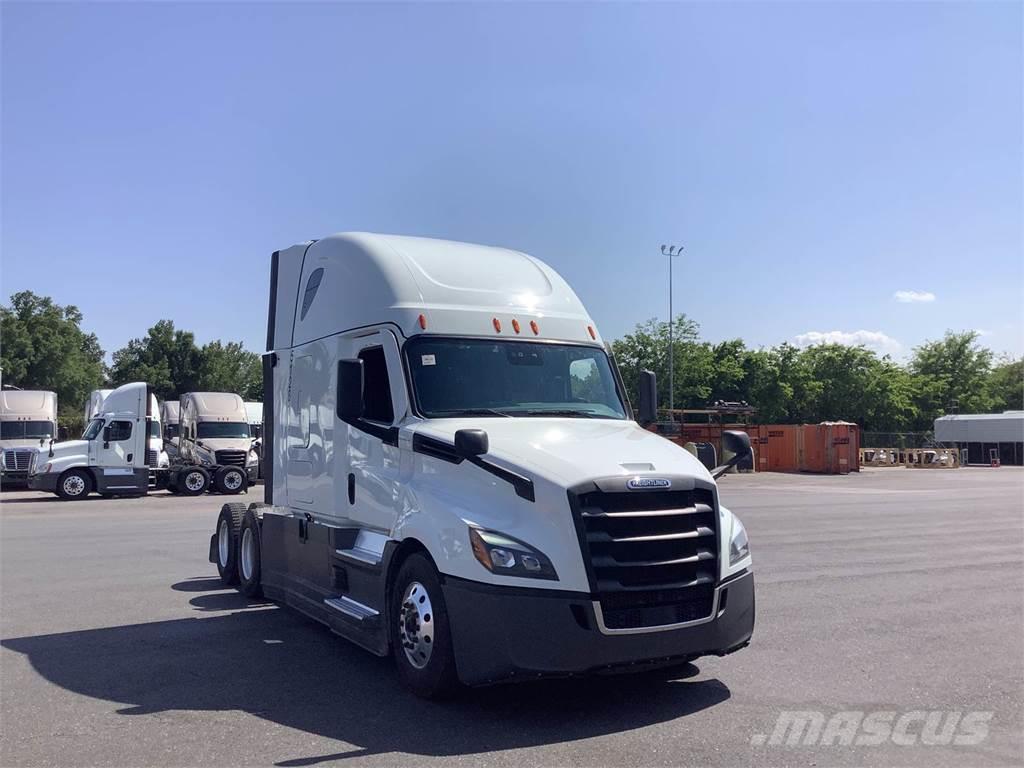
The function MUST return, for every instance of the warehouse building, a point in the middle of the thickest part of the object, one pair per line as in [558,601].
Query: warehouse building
[984,436]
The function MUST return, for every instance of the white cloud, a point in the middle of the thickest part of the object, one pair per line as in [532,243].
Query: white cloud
[875,340]
[983,331]
[914,297]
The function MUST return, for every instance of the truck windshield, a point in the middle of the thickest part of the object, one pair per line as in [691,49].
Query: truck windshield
[92,429]
[462,377]
[21,430]
[214,429]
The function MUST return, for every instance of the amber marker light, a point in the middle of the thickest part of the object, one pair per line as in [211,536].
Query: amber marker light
[497,324]
[515,325]
[534,327]
[423,322]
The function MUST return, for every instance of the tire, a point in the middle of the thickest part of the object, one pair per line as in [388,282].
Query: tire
[74,484]
[228,523]
[421,640]
[230,480]
[188,483]
[250,554]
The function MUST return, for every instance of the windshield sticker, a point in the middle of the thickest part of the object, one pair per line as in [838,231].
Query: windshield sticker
[427,360]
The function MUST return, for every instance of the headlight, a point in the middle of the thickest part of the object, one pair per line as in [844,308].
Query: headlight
[739,547]
[252,461]
[508,557]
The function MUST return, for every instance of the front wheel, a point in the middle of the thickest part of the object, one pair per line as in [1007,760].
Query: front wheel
[74,484]
[420,635]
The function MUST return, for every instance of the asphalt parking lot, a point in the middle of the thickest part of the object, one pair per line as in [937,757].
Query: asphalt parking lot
[889,591]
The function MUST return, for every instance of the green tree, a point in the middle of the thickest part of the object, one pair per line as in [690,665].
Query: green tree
[44,347]
[231,368]
[1006,385]
[647,349]
[166,358]
[953,369]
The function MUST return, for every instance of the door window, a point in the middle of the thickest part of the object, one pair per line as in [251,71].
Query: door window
[376,386]
[120,430]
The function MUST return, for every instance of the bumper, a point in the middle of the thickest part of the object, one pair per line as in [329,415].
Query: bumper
[503,633]
[252,473]
[14,475]
[44,482]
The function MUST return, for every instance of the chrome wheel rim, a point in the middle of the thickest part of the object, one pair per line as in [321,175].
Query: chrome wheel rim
[194,481]
[416,625]
[232,480]
[223,543]
[73,485]
[248,554]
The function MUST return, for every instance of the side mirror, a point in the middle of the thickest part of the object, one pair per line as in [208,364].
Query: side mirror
[106,436]
[471,442]
[737,443]
[350,389]
[648,398]
[199,443]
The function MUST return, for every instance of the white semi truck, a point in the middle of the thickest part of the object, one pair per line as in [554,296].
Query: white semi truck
[28,419]
[114,455]
[254,412]
[156,455]
[169,414]
[214,437]
[94,403]
[454,476]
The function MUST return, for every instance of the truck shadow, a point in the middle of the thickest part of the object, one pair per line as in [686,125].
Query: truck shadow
[275,664]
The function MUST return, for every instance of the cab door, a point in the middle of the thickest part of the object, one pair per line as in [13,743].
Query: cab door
[373,455]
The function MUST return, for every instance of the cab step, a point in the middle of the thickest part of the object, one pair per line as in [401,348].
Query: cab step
[351,608]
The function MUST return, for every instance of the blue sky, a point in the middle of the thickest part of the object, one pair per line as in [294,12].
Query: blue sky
[814,158]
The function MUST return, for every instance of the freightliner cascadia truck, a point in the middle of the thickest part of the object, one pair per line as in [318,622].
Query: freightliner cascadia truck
[454,476]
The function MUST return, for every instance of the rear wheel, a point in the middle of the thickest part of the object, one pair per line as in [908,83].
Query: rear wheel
[74,484]
[228,524]
[229,480]
[250,554]
[194,481]
[420,636]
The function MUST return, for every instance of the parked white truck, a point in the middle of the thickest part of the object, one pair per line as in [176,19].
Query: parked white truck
[454,476]
[94,403]
[169,414]
[156,455]
[214,437]
[28,419]
[114,455]
[254,412]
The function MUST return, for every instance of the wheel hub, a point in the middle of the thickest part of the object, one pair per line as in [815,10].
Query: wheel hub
[194,481]
[73,485]
[232,480]
[416,625]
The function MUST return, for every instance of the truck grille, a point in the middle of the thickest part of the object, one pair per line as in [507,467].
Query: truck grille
[652,555]
[231,458]
[152,458]
[17,460]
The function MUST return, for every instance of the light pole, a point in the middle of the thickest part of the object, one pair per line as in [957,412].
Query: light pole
[672,252]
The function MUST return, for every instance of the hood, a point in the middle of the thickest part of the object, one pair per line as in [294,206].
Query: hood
[66,448]
[568,451]
[22,442]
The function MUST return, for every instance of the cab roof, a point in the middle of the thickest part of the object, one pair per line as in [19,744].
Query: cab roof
[28,402]
[422,285]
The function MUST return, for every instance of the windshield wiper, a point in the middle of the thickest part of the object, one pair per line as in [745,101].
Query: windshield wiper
[473,412]
[560,412]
